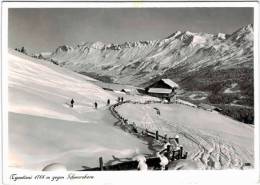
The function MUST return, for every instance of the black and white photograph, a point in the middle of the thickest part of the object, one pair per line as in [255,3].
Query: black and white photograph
[131,88]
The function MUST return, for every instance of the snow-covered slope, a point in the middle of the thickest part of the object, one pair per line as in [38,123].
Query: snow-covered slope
[43,129]
[33,83]
[213,141]
[138,62]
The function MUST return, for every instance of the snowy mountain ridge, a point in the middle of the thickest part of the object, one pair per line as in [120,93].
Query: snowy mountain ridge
[138,62]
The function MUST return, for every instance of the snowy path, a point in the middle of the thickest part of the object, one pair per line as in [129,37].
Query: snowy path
[212,140]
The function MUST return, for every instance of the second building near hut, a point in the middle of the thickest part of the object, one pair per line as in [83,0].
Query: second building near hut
[209,107]
[164,88]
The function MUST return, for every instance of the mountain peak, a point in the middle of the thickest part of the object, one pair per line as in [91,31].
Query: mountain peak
[64,48]
[189,33]
[245,29]
[98,45]
[245,33]
[249,27]
[222,36]
[175,34]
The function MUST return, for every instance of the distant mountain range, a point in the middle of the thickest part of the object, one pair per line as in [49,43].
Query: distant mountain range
[199,62]
[138,62]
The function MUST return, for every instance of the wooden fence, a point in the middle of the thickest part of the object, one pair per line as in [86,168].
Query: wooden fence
[152,162]
[143,131]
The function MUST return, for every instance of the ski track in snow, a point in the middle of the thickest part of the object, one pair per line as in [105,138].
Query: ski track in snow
[210,150]
[207,148]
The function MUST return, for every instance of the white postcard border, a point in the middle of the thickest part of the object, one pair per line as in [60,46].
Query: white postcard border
[134,177]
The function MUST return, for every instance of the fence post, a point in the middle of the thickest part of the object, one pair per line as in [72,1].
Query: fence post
[176,139]
[181,151]
[185,155]
[173,155]
[168,151]
[165,137]
[101,163]
[157,135]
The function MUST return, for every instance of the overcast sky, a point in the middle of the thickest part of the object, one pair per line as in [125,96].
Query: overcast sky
[45,29]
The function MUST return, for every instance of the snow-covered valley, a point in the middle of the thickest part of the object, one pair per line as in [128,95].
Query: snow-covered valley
[44,129]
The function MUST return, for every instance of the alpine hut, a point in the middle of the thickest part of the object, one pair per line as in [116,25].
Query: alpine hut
[164,88]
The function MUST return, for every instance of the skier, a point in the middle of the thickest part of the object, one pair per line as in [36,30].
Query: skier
[71,102]
[122,99]
[134,127]
[108,102]
[118,99]
[96,105]
[158,112]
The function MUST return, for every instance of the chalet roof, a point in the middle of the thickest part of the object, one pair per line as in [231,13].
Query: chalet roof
[171,83]
[159,90]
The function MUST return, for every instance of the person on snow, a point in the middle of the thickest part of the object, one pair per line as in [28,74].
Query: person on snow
[108,102]
[122,99]
[134,127]
[71,102]
[96,105]
[142,166]
[163,161]
[166,145]
[167,151]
